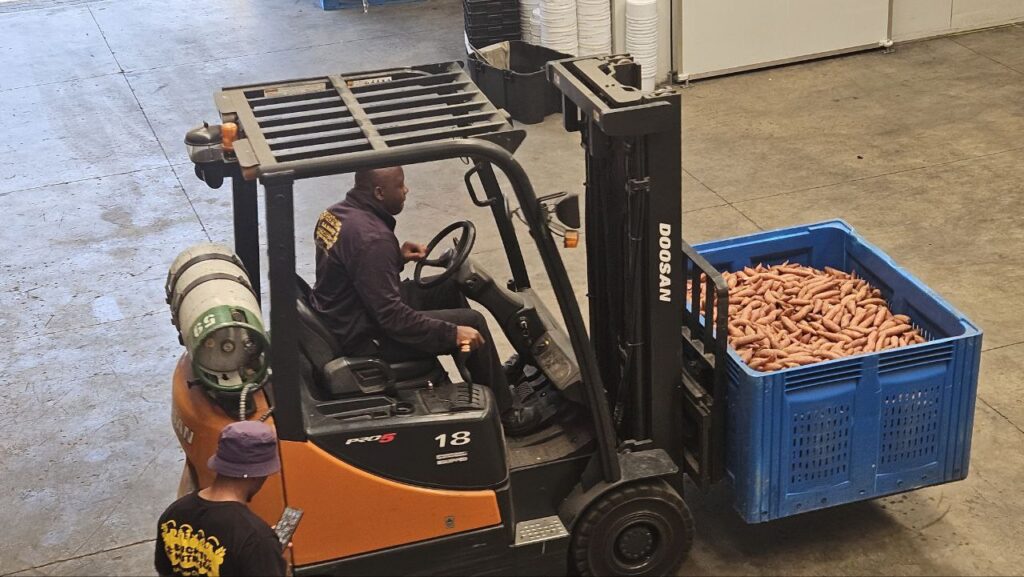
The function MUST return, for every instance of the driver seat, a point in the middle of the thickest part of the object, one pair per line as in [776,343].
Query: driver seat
[339,376]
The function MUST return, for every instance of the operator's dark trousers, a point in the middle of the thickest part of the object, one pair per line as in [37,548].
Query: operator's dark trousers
[447,303]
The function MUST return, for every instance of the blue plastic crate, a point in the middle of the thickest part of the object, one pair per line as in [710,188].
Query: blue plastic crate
[856,428]
[343,4]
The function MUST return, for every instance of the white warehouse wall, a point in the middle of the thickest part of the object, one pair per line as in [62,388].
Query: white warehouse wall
[920,18]
[923,18]
[969,14]
[911,19]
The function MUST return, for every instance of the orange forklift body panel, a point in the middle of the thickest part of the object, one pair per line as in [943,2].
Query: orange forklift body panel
[349,511]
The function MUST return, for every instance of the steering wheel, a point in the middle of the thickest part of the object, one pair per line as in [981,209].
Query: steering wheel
[451,259]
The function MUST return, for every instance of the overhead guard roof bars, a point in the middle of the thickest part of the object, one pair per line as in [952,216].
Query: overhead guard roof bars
[305,125]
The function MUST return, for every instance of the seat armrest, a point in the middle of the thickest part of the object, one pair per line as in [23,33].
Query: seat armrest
[352,375]
[415,369]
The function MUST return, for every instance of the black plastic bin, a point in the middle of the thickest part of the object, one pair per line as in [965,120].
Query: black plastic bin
[475,8]
[487,35]
[491,21]
[523,89]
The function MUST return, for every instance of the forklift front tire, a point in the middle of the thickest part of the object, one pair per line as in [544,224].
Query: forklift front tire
[641,528]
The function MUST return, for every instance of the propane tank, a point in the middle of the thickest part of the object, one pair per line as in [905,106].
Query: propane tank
[218,318]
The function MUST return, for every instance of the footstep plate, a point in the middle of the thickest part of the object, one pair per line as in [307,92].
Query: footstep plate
[540,530]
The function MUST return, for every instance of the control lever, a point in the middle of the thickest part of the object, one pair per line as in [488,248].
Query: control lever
[463,398]
[460,361]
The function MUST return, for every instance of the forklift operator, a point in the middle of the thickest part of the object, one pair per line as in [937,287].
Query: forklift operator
[372,313]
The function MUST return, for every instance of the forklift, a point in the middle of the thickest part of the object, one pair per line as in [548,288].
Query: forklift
[399,469]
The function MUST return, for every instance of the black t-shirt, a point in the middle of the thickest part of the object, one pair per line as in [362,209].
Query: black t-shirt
[215,538]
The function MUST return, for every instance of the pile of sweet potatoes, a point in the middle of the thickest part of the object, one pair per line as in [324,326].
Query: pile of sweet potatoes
[790,315]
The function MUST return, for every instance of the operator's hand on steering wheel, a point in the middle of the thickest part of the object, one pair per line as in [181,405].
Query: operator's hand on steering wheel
[468,337]
[452,259]
[413,251]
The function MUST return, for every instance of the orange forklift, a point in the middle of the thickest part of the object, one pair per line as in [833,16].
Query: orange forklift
[399,469]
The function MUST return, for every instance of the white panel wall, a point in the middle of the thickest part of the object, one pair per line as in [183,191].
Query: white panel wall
[920,18]
[923,18]
[724,35]
[981,13]
[911,19]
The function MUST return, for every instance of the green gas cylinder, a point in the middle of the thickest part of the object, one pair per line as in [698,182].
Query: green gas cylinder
[218,318]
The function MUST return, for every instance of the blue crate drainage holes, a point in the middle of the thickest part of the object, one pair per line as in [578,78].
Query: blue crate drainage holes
[821,446]
[912,406]
[820,402]
[910,426]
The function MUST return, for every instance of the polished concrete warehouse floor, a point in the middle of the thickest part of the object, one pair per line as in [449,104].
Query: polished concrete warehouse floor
[920,150]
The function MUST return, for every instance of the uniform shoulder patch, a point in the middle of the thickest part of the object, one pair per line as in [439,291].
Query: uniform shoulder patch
[327,229]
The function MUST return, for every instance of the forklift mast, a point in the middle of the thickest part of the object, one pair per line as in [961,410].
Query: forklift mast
[664,372]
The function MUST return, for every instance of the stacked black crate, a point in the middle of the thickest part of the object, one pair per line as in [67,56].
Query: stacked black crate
[491,21]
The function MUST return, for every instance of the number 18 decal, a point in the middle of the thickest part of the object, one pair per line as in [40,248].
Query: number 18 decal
[456,439]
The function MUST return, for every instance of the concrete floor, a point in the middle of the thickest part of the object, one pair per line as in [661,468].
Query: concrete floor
[920,150]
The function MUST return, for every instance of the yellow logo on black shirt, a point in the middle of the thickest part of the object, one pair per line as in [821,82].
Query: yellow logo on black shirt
[192,553]
[327,229]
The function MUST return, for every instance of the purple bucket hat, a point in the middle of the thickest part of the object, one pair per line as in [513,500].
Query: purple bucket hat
[246,449]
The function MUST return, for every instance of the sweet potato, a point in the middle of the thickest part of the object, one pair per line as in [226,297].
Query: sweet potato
[879,317]
[790,325]
[831,325]
[748,339]
[803,313]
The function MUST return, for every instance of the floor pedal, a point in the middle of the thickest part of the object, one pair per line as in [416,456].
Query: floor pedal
[540,530]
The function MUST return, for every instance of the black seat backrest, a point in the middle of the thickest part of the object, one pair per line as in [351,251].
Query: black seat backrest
[315,340]
[339,376]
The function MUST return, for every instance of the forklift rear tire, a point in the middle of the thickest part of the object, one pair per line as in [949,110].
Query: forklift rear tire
[642,528]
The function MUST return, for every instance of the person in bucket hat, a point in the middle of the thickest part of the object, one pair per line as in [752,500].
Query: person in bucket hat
[212,532]
[246,449]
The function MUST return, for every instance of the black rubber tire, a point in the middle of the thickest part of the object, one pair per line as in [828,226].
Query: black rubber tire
[613,535]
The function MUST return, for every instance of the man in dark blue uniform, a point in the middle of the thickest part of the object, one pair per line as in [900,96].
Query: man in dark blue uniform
[371,312]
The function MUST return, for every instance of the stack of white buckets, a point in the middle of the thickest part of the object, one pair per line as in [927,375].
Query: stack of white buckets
[584,27]
[595,26]
[529,23]
[558,30]
[642,38]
